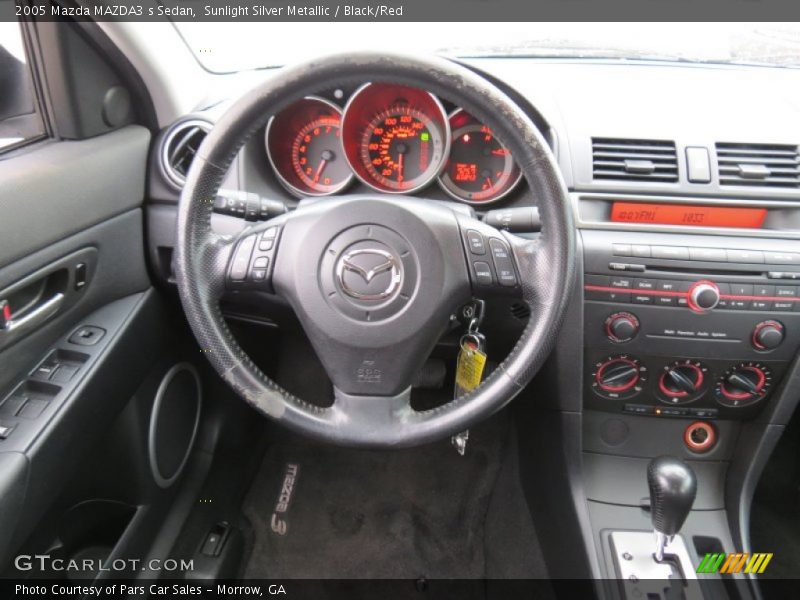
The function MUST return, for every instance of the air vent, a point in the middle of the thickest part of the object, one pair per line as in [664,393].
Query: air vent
[634,160]
[179,148]
[760,165]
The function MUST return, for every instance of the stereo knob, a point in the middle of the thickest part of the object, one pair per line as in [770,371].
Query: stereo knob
[622,327]
[768,335]
[744,384]
[703,296]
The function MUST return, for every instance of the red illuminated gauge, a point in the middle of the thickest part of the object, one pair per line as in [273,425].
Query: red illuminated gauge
[480,168]
[396,137]
[304,145]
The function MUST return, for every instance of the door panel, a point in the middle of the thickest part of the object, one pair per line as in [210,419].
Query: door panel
[61,188]
[65,204]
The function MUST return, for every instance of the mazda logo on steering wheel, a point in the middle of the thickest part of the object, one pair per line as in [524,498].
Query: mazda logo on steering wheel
[369,274]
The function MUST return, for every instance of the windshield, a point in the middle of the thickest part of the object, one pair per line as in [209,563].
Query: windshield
[226,47]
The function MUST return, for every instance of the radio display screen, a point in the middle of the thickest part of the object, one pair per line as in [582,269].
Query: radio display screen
[688,215]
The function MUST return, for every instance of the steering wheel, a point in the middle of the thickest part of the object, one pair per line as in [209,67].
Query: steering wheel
[374,278]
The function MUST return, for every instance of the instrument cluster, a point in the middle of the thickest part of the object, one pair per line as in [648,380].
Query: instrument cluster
[393,138]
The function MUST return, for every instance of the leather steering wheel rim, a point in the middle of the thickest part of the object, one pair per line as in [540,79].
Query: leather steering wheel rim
[546,265]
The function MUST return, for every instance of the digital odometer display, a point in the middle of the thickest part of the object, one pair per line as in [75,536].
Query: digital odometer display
[682,214]
[396,137]
[480,168]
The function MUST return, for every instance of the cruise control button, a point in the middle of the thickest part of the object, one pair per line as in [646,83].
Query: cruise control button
[483,273]
[242,258]
[503,264]
[476,243]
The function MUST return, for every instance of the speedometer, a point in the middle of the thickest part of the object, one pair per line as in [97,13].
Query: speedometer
[480,169]
[396,137]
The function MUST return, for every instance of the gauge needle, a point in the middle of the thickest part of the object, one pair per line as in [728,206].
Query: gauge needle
[323,163]
[400,168]
[489,182]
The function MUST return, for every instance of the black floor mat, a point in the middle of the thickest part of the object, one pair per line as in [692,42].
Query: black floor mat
[355,514]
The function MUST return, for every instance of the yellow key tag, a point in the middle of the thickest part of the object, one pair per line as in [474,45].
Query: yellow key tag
[469,367]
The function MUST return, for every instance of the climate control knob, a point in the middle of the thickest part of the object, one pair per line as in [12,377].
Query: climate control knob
[703,296]
[768,335]
[622,327]
[618,377]
[743,384]
[682,381]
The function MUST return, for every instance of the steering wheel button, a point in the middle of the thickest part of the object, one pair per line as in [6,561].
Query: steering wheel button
[476,243]
[270,233]
[258,274]
[266,245]
[507,277]
[499,249]
[242,258]
[262,262]
[483,273]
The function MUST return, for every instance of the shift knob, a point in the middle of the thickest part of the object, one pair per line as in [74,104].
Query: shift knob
[673,487]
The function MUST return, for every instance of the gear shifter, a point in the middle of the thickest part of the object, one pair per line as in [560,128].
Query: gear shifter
[673,487]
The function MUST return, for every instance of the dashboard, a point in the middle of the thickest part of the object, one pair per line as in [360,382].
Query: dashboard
[683,331]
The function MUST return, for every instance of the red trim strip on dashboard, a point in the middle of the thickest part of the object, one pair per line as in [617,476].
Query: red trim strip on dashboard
[602,288]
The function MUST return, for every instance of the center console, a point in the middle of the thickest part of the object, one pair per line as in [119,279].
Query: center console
[689,345]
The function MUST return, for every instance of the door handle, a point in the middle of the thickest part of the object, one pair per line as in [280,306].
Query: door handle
[35,317]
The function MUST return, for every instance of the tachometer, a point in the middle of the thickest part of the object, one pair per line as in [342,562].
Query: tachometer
[396,137]
[480,168]
[304,145]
